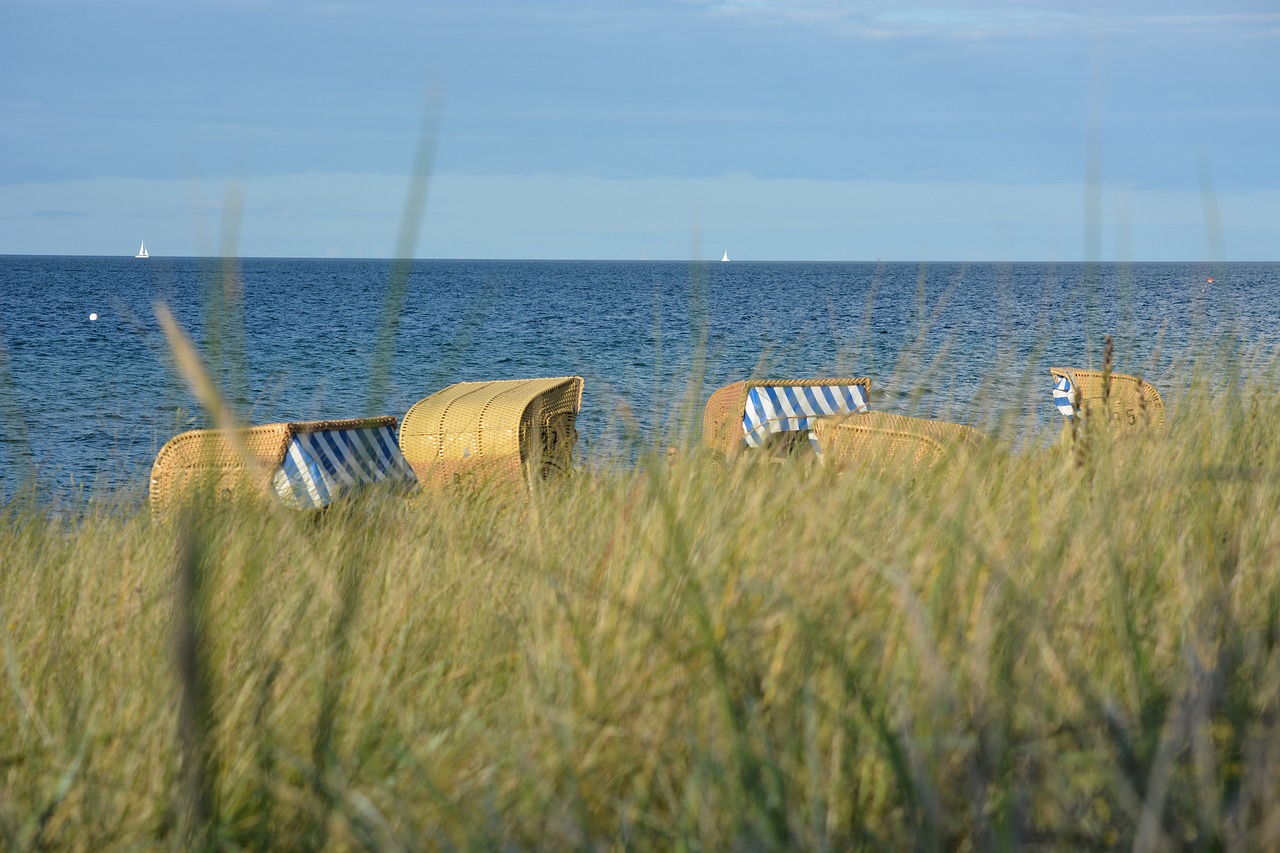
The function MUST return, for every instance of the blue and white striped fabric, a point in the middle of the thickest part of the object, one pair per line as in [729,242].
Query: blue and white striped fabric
[1064,397]
[320,466]
[788,408]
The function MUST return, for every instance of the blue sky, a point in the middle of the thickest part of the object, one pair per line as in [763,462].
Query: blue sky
[670,129]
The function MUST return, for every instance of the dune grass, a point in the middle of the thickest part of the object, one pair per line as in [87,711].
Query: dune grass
[1070,648]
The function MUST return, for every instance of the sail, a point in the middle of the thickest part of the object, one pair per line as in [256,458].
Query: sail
[142,251]
[726,255]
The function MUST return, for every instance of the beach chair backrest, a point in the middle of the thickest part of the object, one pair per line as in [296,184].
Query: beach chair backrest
[303,464]
[745,414]
[502,427]
[1129,403]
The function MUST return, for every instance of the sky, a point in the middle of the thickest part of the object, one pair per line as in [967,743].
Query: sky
[936,130]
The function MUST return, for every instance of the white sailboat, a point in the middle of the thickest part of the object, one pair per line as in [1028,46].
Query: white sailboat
[142,251]
[726,256]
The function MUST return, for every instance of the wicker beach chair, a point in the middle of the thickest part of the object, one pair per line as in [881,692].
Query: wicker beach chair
[1129,405]
[502,428]
[303,464]
[750,413]
[882,440]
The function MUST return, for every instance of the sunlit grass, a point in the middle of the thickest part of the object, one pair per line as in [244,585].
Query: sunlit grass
[1057,649]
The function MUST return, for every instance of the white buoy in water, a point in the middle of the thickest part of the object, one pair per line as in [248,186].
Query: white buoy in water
[93,317]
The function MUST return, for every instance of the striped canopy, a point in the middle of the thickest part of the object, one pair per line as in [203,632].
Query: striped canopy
[320,466]
[790,408]
[1064,397]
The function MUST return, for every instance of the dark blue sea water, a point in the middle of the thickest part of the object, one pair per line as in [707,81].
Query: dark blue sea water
[89,403]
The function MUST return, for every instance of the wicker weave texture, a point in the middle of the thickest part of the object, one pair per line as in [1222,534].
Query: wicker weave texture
[208,457]
[722,418]
[885,440]
[479,429]
[1135,404]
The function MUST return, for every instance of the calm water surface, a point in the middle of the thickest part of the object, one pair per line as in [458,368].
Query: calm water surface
[89,403]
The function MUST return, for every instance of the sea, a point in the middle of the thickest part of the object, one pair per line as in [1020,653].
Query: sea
[89,388]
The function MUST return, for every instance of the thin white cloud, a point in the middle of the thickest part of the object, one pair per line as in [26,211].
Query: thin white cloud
[984,19]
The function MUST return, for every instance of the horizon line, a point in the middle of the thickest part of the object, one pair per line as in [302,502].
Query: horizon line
[709,260]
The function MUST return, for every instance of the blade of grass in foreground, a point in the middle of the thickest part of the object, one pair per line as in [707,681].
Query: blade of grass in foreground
[13,424]
[196,720]
[192,369]
[384,344]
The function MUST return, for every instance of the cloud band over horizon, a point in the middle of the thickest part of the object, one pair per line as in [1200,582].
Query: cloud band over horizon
[578,216]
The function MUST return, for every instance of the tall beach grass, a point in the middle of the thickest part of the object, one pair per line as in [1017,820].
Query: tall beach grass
[1049,648]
